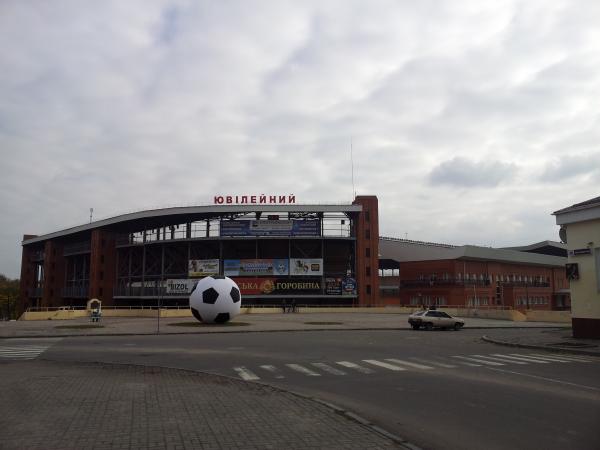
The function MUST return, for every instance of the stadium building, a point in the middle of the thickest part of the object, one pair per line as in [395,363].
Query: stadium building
[276,250]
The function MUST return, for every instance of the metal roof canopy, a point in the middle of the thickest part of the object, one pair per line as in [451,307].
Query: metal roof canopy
[172,216]
[410,251]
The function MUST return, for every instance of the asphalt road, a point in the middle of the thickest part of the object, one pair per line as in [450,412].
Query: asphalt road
[439,390]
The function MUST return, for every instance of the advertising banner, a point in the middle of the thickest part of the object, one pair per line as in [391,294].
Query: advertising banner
[306,266]
[203,267]
[271,227]
[180,286]
[348,286]
[278,286]
[255,267]
[333,286]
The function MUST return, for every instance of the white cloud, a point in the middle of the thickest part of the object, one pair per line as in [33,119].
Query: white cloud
[127,105]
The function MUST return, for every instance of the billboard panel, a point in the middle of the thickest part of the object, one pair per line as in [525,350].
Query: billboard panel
[333,286]
[306,266]
[348,286]
[271,227]
[278,286]
[203,267]
[255,267]
[180,286]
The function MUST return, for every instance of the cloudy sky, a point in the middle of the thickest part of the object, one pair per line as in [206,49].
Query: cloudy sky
[472,121]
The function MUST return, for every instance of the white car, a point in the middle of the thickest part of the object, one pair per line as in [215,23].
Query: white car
[434,319]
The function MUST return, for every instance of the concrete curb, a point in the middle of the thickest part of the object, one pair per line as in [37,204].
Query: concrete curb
[283,330]
[540,347]
[349,415]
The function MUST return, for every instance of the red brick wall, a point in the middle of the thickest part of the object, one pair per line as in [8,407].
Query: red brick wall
[102,266]
[433,272]
[367,250]
[27,281]
[54,274]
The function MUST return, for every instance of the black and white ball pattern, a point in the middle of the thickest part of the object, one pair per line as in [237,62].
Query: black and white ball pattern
[215,299]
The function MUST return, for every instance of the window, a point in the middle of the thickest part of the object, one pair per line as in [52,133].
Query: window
[368,271]
[367,216]
[368,288]
[368,252]
[367,234]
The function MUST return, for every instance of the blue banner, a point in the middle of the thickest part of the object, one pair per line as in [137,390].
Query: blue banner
[270,227]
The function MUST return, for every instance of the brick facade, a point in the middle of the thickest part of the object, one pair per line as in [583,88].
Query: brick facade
[367,250]
[468,283]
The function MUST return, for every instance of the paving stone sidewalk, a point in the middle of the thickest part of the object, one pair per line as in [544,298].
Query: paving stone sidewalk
[79,406]
[249,323]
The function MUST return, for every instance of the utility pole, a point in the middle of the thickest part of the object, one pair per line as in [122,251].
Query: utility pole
[158,308]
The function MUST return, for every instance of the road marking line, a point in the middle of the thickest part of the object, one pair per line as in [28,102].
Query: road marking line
[24,347]
[498,359]
[22,350]
[384,365]
[546,379]
[304,370]
[246,374]
[568,358]
[549,358]
[481,361]
[522,358]
[274,370]
[581,358]
[351,365]
[327,368]
[434,363]
[409,364]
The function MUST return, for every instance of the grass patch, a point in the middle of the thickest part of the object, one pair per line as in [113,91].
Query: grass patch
[77,327]
[202,324]
[323,323]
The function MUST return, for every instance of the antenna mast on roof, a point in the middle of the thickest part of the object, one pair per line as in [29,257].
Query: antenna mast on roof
[352,164]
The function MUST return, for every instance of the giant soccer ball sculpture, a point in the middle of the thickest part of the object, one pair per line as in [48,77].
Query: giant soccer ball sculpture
[215,299]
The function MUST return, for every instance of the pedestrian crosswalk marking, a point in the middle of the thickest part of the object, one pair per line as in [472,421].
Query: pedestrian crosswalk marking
[304,370]
[274,370]
[351,365]
[501,359]
[521,358]
[383,364]
[396,365]
[568,358]
[409,364]
[480,361]
[246,374]
[327,368]
[435,363]
[547,358]
[18,350]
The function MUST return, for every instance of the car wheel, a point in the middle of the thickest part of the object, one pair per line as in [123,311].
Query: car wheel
[457,326]
[429,326]
[416,327]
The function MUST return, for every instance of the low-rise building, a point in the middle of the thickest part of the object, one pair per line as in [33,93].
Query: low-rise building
[425,274]
[580,229]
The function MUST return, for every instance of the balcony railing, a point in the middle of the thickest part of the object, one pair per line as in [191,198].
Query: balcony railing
[468,283]
[79,247]
[76,292]
[35,292]
[442,282]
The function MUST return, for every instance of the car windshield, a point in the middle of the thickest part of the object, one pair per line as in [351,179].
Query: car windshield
[420,313]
